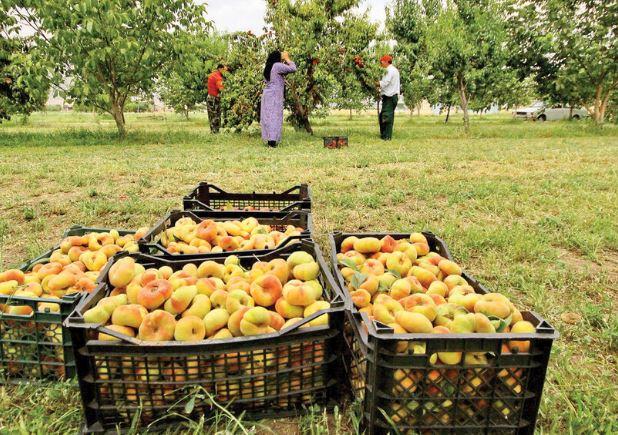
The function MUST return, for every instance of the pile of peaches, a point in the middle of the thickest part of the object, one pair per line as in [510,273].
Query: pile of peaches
[400,283]
[209,236]
[209,300]
[72,268]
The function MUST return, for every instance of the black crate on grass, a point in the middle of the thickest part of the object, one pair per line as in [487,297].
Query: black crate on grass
[206,196]
[263,376]
[152,241]
[404,392]
[37,345]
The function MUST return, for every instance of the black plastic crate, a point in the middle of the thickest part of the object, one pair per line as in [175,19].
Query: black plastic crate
[263,376]
[151,242]
[436,244]
[38,346]
[403,392]
[206,196]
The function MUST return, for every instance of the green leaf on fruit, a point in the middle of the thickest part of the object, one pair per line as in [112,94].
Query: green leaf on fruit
[383,287]
[358,279]
[349,263]
[395,273]
[500,324]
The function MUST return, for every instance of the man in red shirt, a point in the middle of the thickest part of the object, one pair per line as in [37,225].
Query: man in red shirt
[213,102]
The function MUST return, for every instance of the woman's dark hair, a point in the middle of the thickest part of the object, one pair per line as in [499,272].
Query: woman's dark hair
[273,58]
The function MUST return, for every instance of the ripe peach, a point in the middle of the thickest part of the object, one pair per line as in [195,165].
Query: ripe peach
[180,300]
[437,299]
[266,290]
[438,288]
[199,307]
[385,310]
[493,304]
[279,268]
[449,267]
[463,323]
[317,288]
[468,301]
[400,289]
[218,299]
[190,328]
[237,299]
[109,250]
[129,315]
[367,245]
[420,303]
[371,284]
[314,308]
[49,269]
[97,314]
[232,270]
[452,281]
[298,293]
[361,298]
[48,307]
[94,260]
[347,273]
[413,322]
[402,346]
[157,326]
[215,320]
[435,270]
[348,244]
[233,323]
[351,256]
[299,257]
[287,310]
[209,269]
[372,267]
[8,287]
[424,276]
[387,244]
[521,327]
[398,262]
[306,271]
[206,286]
[13,275]
[61,281]
[165,272]
[276,320]
[255,321]
[154,294]
[482,324]
[118,328]
[222,334]
[34,288]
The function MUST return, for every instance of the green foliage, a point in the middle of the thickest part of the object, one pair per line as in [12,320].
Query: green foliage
[244,82]
[455,52]
[184,85]
[23,87]
[584,40]
[104,52]
[329,42]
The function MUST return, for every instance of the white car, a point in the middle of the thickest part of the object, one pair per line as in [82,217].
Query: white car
[538,111]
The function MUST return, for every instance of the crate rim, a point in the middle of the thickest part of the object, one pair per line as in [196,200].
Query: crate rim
[304,203]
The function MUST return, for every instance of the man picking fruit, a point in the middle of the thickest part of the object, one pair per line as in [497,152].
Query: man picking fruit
[213,102]
[389,89]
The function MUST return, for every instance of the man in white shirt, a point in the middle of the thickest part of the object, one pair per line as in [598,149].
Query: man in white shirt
[389,89]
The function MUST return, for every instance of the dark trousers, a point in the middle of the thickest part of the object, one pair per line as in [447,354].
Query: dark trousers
[387,116]
[214,113]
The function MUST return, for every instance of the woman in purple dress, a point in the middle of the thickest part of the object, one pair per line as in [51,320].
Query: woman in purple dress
[271,111]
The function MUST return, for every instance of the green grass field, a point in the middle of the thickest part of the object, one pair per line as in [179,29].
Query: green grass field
[531,209]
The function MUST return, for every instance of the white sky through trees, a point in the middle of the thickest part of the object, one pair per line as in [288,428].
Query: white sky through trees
[236,15]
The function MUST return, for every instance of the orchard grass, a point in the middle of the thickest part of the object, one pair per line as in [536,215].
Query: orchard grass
[530,208]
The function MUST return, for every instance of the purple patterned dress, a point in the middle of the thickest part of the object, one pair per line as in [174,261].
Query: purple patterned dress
[271,111]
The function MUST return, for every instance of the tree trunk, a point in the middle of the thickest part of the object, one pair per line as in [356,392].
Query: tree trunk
[571,112]
[350,114]
[118,114]
[186,114]
[464,102]
[418,109]
[448,113]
